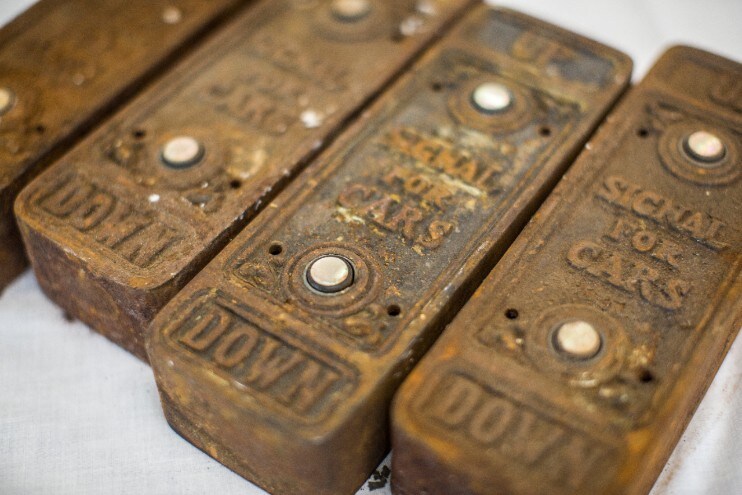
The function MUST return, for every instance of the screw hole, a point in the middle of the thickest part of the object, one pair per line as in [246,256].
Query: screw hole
[275,249]
[139,134]
[40,129]
[437,86]
[642,133]
[235,184]
[545,131]
[645,376]
[393,310]
[511,314]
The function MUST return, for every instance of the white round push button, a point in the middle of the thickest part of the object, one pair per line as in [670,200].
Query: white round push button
[330,274]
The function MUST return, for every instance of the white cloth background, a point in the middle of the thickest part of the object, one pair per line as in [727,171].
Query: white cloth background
[80,416]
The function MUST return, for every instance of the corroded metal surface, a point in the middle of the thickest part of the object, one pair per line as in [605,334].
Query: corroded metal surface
[63,66]
[118,226]
[307,322]
[578,363]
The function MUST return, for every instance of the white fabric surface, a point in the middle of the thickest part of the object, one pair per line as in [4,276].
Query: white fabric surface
[80,416]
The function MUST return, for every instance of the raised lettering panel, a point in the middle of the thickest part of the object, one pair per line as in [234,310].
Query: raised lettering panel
[553,57]
[412,206]
[700,81]
[614,308]
[481,417]
[124,230]
[284,374]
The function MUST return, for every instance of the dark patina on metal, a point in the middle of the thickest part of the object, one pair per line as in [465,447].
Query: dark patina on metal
[119,225]
[281,357]
[64,65]
[578,363]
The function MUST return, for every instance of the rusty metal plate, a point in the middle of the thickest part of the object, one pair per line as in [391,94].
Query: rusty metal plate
[578,363]
[119,225]
[304,326]
[64,65]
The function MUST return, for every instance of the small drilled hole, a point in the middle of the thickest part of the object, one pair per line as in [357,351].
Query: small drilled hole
[645,376]
[40,129]
[139,134]
[642,133]
[511,314]
[275,249]
[235,184]
[545,131]
[437,86]
[393,310]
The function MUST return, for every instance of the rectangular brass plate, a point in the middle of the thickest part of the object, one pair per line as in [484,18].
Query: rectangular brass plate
[578,363]
[420,196]
[64,65]
[114,233]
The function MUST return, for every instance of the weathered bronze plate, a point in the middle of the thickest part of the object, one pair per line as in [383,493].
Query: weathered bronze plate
[307,322]
[578,363]
[119,225]
[64,65]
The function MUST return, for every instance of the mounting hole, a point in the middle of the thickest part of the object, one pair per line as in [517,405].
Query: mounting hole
[139,134]
[235,184]
[545,131]
[393,310]
[437,86]
[40,129]
[275,249]
[642,133]
[511,314]
[645,376]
